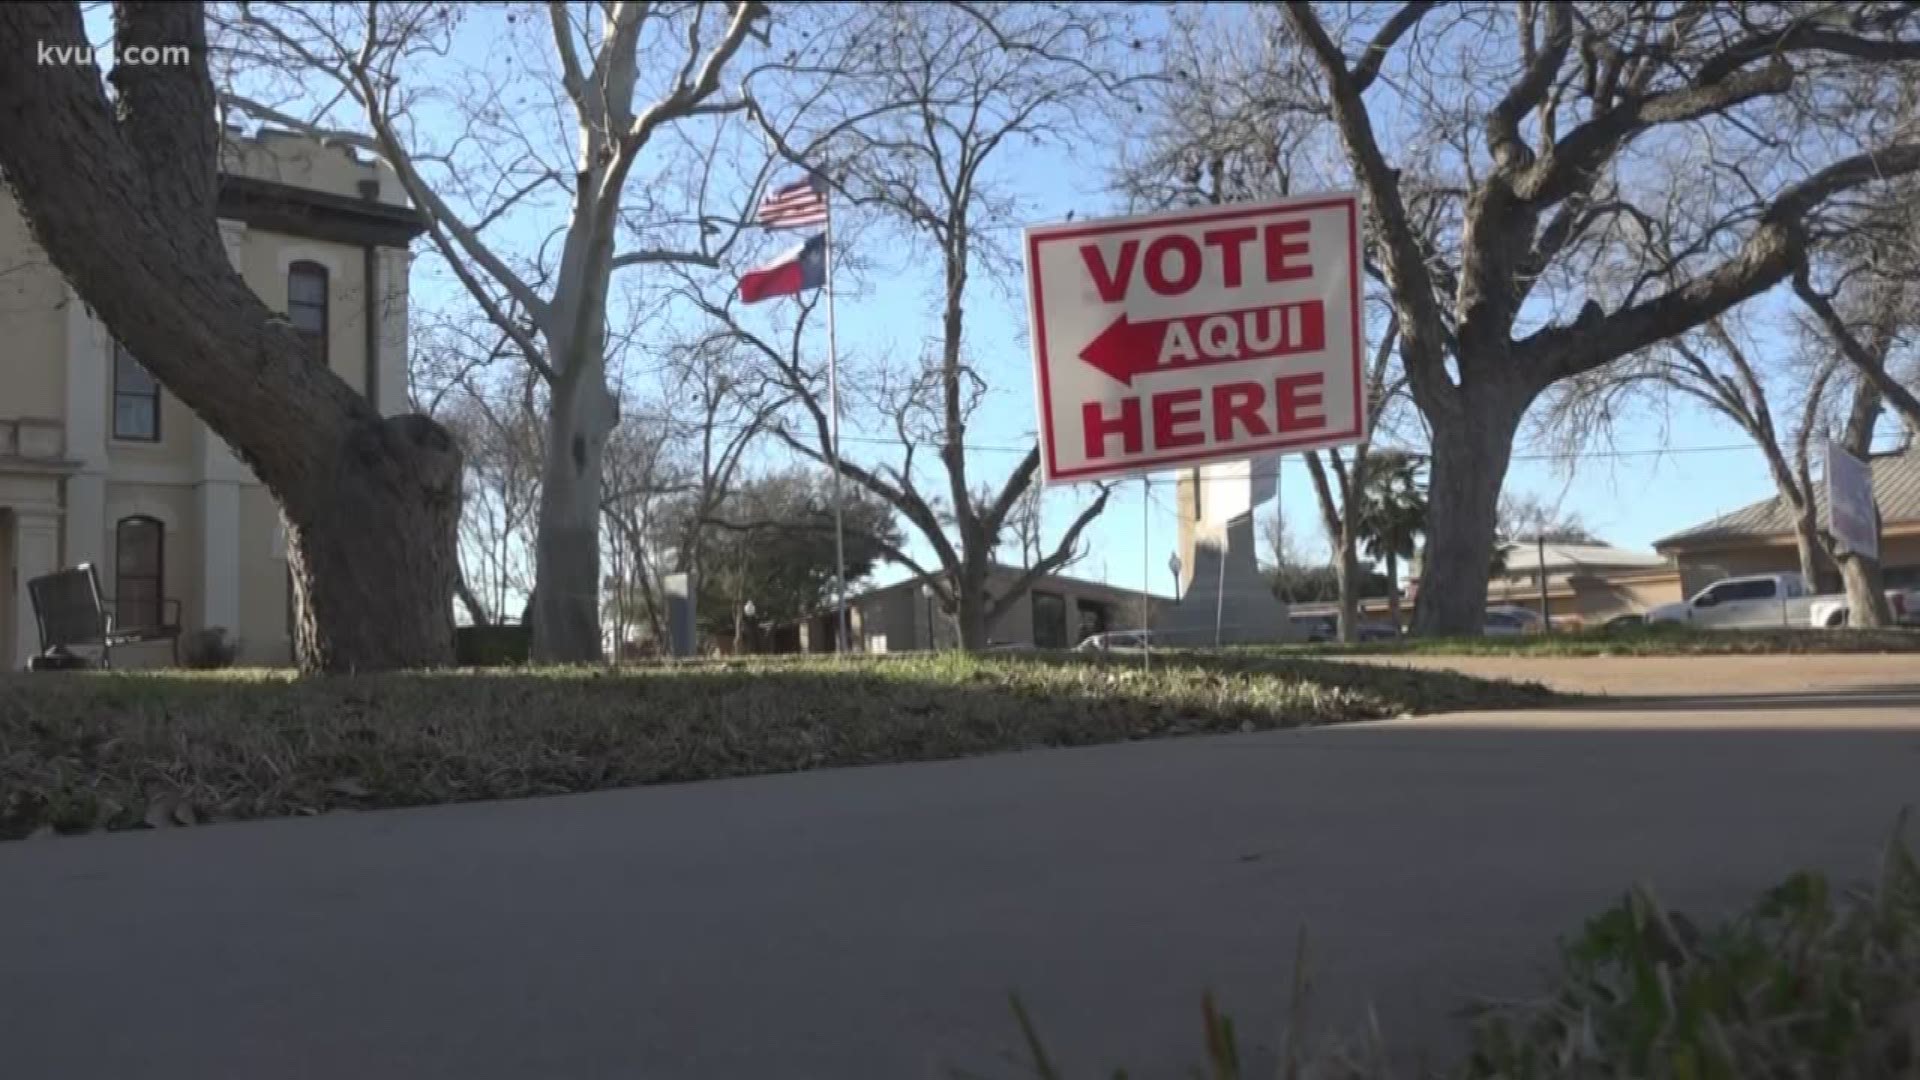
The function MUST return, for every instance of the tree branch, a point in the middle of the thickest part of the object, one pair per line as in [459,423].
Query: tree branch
[1503,124]
[1422,327]
[1875,370]
[1776,247]
[1383,42]
[1066,551]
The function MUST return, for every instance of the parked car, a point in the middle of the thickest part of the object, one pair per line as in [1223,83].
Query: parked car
[1315,629]
[1504,621]
[1118,641]
[1766,601]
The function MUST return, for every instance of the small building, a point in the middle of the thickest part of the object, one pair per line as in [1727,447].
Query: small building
[99,464]
[1058,612]
[1758,539]
[1586,584]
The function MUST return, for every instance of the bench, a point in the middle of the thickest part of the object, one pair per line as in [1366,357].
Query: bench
[71,613]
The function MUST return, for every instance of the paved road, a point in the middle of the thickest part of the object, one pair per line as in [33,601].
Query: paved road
[870,922]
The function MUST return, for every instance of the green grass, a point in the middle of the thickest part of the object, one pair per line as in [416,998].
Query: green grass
[1639,641]
[89,751]
[1811,982]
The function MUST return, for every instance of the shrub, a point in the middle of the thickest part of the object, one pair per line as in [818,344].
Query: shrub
[210,649]
[492,646]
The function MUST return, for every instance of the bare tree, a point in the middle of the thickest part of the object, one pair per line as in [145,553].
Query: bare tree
[1529,517]
[121,195]
[946,92]
[728,402]
[496,169]
[645,469]
[1541,119]
[1778,401]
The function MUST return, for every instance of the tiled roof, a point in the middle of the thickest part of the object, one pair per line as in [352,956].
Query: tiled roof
[1896,488]
[1525,555]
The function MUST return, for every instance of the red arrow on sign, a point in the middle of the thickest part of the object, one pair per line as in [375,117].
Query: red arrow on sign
[1126,348]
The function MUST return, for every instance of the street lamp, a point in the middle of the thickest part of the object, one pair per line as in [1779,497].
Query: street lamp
[1173,566]
[926,594]
[747,610]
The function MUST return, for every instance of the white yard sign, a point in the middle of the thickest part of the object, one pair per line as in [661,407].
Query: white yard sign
[1211,334]
[1855,520]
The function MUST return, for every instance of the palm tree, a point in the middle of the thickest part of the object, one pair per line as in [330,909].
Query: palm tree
[1393,514]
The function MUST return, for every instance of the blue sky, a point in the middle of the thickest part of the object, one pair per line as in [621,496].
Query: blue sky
[1707,467]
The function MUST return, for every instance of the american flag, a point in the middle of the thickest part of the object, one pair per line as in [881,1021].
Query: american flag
[795,206]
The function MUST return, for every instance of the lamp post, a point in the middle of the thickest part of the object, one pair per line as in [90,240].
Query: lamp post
[1173,567]
[747,610]
[926,597]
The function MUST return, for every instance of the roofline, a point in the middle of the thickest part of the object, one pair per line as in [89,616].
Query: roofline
[1682,541]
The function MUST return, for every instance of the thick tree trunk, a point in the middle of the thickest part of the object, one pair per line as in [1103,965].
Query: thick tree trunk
[970,614]
[377,599]
[121,196]
[566,615]
[1472,447]
[1866,592]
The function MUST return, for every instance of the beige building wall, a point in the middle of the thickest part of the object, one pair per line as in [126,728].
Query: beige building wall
[31,296]
[225,551]
[1702,566]
[901,618]
[1590,599]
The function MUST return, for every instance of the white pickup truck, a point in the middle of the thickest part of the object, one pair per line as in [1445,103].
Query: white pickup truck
[1766,601]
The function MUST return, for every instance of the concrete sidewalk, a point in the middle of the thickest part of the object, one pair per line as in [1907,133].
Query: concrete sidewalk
[870,922]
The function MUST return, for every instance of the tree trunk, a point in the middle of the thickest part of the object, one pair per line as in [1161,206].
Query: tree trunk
[476,610]
[1866,592]
[1866,596]
[1347,571]
[970,614]
[1806,542]
[121,196]
[377,599]
[1472,447]
[566,617]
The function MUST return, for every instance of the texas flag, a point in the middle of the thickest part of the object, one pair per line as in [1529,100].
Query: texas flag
[802,268]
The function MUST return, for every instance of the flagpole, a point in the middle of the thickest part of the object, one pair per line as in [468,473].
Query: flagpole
[833,456]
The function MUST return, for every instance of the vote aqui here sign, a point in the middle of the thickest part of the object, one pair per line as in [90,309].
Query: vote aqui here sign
[1200,335]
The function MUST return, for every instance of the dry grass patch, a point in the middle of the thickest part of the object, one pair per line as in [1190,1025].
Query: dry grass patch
[81,752]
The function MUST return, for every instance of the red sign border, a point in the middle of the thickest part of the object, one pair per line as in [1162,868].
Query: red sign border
[1036,235]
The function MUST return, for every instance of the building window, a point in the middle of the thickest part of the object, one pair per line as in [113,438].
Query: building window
[136,399]
[307,304]
[139,571]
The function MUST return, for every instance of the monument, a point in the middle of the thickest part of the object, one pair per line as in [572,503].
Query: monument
[1223,598]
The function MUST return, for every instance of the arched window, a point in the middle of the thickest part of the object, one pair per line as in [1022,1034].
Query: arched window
[307,304]
[140,549]
[136,399]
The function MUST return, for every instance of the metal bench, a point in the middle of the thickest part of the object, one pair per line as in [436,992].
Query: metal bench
[71,613]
